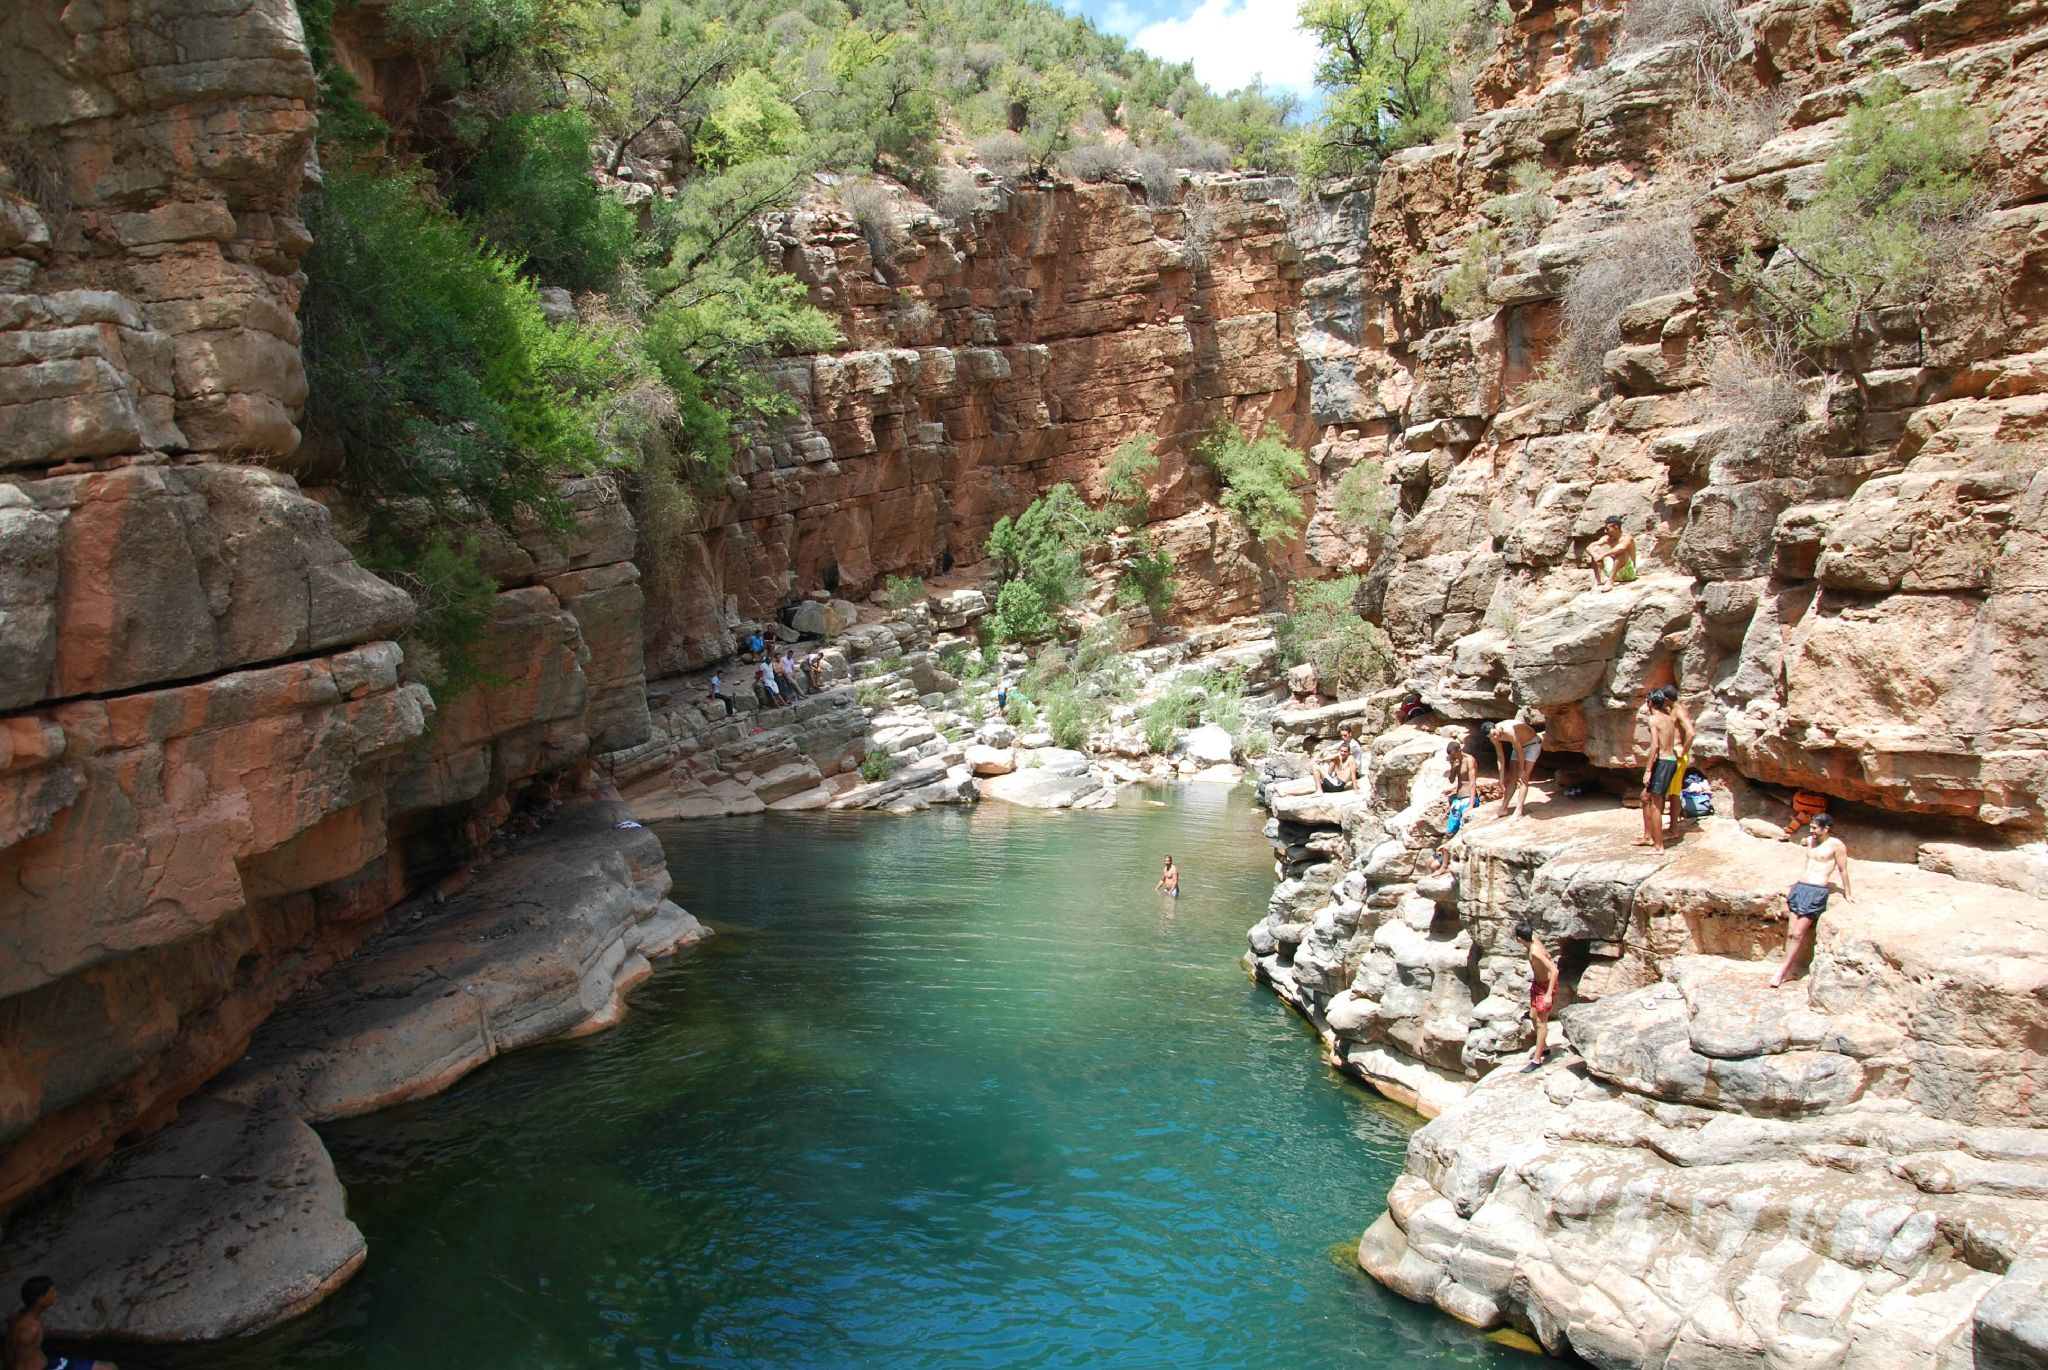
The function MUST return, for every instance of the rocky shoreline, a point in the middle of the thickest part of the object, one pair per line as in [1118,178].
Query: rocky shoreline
[1851,1170]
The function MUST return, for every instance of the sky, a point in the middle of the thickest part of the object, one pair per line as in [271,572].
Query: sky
[1229,41]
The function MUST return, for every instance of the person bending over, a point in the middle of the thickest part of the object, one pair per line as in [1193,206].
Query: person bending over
[1516,746]
[1827,864]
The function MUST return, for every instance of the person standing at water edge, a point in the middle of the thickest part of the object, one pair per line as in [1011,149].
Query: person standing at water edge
[24,1348]
[1827,863]
[1169,879]
[1542,992]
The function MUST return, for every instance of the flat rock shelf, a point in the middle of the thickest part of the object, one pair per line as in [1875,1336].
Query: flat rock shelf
[954,1089]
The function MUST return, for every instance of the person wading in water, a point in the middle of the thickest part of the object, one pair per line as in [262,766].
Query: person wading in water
[1169,879]
[1827,864]
[24,1348]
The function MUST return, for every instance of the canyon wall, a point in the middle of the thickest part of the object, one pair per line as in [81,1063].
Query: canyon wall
[215,774]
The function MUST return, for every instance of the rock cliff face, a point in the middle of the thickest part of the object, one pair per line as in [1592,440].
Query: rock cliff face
[1848,595]
[988,358]
[213,775]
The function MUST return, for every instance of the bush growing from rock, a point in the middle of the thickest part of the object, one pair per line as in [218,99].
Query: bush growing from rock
[904,592]
[877,766]
[1096,162]
[530,191]
[875,213]
[1164,717]
[1647,258]
[1350,655]
[1147,579]
[1895,212]
[1258,476]
[1364,504]
[1464,287]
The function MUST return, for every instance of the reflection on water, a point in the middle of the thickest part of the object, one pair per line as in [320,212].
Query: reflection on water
[957,1089]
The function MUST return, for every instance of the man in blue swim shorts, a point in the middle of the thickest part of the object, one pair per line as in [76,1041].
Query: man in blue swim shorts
[24,1347]
[1827,863]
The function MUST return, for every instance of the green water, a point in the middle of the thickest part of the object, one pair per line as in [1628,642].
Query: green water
[950,1090]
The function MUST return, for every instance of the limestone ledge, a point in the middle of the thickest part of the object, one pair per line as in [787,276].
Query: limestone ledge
[231,1218]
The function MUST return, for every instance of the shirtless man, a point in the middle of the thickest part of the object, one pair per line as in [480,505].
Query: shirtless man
[1827,864]
[1659,767]
[24,1348]
[1613,554]
[1464,768]
[1336,771]
[1516,746]
[1542,992]
[1169,880]
[1682,716]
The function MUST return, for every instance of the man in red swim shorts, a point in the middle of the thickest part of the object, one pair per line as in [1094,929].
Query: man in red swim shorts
[1542,992]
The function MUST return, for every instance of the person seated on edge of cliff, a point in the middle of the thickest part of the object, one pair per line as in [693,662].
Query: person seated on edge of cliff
[1516,746]
[24,1346]
[1464,768]
[1336,771]
[717,686]
[1542,992]
[765,678]
[755,646]
[1613,555]
[1660,769]
[814,667]
[1827,864]
[1169,879]
[1439,861]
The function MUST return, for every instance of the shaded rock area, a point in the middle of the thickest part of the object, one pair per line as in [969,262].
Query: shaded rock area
[227,1220]
[231,1217]
[542,944]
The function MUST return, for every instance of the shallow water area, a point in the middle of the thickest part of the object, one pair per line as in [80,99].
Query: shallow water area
[955,1089]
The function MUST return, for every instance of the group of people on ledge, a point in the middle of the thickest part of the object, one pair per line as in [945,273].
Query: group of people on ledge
[779,681]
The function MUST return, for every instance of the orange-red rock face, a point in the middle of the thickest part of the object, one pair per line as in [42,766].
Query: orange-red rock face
[986,360]
[212,773]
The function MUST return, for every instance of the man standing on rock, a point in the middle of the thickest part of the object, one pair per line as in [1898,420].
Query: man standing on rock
[24,1349]
[1659,767]
[1464,785]
[1542,992]
[1827,863]
[1516,746]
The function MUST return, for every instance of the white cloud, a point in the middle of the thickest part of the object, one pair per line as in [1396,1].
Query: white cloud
[1232,41]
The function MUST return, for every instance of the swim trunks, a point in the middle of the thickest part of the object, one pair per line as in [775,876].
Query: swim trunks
[1531,750]
[1807,901]
[1541,997]
[1332,785]
[1625,572]
[1456,818]
[1678,775]
[69,1363]
[1662,774]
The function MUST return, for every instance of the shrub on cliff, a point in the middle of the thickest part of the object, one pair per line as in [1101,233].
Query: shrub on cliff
[1258,475]
[1647,258]
[1038,557]
[1350,655]
[530,191]
[1897,205]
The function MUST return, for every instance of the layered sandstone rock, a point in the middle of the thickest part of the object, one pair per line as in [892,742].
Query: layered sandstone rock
[988,358]
[215,767]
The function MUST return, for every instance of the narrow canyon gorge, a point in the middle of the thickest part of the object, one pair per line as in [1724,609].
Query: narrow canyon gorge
[257,872]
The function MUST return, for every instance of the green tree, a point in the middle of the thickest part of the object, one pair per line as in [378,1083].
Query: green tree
[1386,68]
[748,121]
[1896,205]
[1350,655]
[530,190]
[1258,476]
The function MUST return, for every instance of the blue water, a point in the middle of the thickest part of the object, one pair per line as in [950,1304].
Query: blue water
[956,1089]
